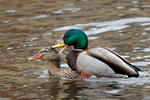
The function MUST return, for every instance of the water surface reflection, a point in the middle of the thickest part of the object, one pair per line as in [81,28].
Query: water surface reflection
[27,26]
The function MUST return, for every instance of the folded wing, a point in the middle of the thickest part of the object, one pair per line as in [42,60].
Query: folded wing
[114,61]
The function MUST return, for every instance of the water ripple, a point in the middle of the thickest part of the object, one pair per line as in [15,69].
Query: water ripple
[145,24]
[34,17]
[145,6]
[101,27]
[93,38]
[120,7]
[71,10]
[5,99]
[40,16]
[32,39]
[115,91]
[138,49]
[11,11]
[145,40]
[141,63]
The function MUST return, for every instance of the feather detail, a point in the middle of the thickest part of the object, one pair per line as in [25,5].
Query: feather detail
[118,64]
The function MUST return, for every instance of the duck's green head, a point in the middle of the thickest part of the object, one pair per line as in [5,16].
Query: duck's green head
[74,37]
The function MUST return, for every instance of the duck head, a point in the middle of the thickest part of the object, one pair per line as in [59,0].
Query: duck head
[48,54]
[73,37]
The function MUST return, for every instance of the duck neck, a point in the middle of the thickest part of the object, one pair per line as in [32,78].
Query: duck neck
[54,68]
[55,63]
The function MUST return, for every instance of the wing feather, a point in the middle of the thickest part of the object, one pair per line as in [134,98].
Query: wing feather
[118,64]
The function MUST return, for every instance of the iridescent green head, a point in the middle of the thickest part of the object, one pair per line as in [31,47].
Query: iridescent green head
[76,38]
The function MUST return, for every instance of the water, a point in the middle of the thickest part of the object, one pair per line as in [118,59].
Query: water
[106,26]
[27,26]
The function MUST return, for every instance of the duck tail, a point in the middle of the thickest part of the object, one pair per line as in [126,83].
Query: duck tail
[134,75]
[134,67]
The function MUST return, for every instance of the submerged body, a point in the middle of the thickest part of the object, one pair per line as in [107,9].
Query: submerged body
[94,61]
[54,69]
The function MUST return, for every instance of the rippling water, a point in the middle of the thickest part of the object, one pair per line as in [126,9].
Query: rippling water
[27,26]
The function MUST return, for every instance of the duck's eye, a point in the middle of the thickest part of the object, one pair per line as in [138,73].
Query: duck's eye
[67,36]
[43,51]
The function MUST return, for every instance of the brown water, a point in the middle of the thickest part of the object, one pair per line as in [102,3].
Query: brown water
[29,25]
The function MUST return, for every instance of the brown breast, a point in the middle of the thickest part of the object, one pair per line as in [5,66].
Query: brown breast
[62,72]
[72,59]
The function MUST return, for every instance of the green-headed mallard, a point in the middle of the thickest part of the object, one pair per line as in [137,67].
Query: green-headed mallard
[94,61]
[54,69]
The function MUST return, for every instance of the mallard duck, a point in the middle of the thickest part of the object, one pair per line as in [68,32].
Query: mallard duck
[97,61]
[54,69]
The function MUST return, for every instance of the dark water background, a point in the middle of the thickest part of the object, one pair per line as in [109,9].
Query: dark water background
[29,25]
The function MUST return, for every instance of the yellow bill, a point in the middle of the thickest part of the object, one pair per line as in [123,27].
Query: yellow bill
[59,45]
